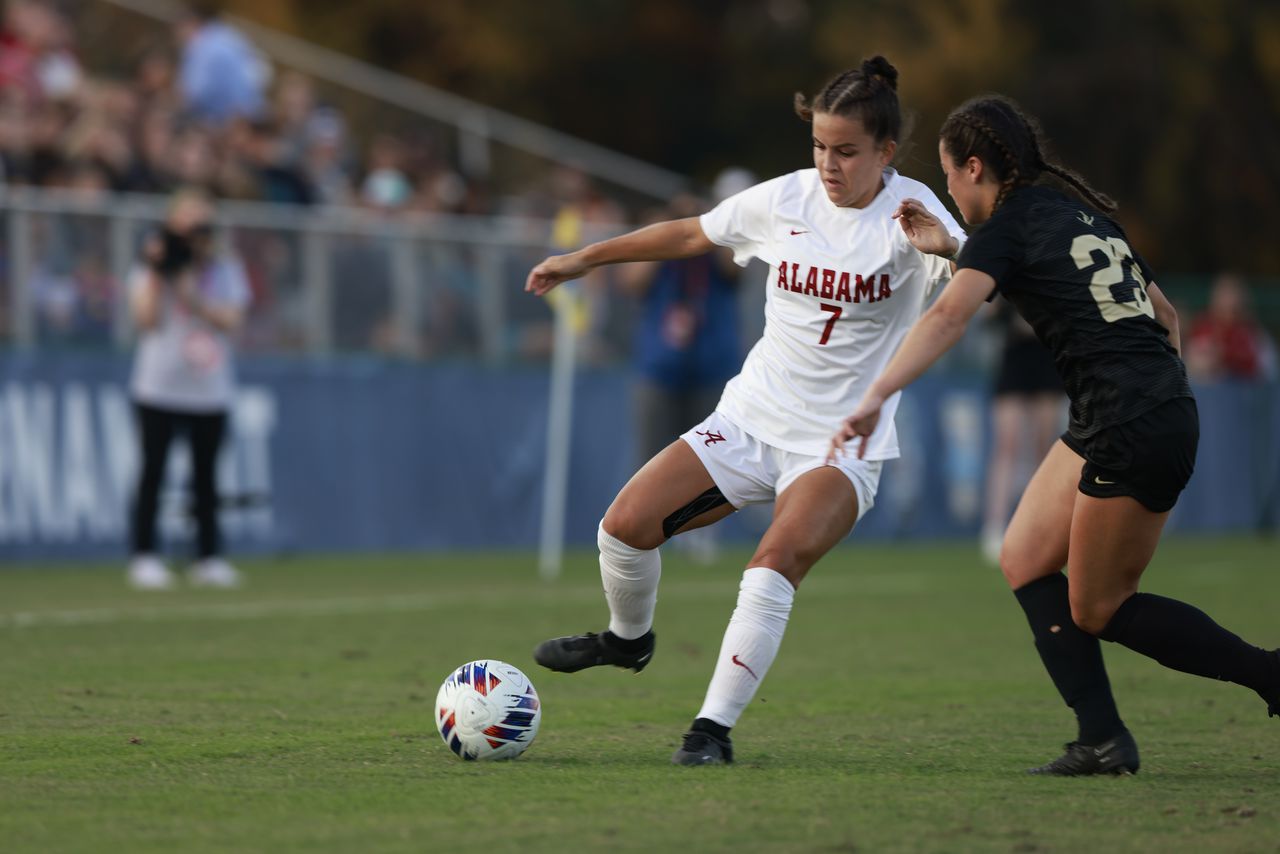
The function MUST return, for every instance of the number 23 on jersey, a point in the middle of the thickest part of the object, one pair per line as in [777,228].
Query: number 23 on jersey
[1108,257]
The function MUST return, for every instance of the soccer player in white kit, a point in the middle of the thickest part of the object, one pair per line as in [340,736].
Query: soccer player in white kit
[844,286]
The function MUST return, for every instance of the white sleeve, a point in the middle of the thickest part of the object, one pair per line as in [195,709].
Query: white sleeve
[741,223]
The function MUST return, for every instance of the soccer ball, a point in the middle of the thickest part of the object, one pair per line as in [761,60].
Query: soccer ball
[488,709]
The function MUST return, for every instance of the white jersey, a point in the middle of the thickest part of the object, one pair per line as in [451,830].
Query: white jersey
[844,287]
[184,364]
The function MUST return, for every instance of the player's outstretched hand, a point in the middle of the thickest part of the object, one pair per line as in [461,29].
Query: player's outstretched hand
[554,271]
[862,423]
[925,231]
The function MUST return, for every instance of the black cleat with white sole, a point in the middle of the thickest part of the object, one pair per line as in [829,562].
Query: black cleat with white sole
[578,652]
[1117,756]
[703,748]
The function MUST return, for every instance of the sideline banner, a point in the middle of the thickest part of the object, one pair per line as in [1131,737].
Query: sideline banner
[362,455]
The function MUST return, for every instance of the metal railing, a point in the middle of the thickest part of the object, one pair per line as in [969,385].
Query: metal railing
[324,281]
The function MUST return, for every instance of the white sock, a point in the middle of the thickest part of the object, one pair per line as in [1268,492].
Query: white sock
[750,643]
[630,577]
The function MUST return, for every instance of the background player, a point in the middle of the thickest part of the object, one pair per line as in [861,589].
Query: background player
[1027,408]
[1099,500]
[844,285]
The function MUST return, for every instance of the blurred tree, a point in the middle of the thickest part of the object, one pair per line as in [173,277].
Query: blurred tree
[1172,106]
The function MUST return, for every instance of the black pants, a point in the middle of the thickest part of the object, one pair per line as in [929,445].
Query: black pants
[156,429]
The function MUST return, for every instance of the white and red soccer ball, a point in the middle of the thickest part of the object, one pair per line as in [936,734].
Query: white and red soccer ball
[488,709]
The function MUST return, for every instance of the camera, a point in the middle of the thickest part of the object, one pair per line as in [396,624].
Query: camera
[178,251]
[175,253]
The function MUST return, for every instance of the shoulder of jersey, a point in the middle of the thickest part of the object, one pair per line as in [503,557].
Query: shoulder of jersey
[796,185]
[906,186]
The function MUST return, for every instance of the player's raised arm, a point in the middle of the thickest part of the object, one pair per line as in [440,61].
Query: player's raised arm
[662,241]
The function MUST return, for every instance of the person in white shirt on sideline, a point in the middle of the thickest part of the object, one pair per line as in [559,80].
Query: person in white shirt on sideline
[844,285]
[187,301]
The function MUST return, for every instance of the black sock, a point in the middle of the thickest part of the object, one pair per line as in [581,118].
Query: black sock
[1183,637]
[1072,657]
[711,728]
[629,645]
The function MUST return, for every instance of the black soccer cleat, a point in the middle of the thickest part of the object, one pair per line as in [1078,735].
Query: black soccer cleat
[1117,756]
[703,748]
[578,652]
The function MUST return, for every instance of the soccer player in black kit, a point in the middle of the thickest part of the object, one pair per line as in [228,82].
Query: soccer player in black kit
[1099,500]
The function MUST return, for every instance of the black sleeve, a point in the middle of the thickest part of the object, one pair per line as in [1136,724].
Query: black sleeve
[998,248]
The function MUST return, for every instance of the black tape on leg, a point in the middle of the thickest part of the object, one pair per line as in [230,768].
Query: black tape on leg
[709,500]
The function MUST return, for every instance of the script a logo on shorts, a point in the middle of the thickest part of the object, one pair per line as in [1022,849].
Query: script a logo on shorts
[712,436]
[1102,482]
[741,664]
[796,231]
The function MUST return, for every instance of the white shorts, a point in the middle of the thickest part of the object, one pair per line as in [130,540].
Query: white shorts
[748,471]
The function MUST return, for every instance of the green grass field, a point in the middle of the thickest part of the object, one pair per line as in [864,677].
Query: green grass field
[906,702]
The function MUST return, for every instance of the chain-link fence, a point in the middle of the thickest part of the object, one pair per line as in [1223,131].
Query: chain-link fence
[334,281]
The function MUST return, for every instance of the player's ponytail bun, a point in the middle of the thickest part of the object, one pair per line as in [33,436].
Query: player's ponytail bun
[878,70]
[868,93]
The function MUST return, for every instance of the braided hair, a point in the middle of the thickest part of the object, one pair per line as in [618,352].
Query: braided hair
[868,93]
[995,129]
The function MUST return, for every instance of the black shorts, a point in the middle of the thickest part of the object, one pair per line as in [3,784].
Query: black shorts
[1026,368]
[1149,458]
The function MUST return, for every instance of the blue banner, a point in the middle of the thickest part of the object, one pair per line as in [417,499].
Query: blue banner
[374,456]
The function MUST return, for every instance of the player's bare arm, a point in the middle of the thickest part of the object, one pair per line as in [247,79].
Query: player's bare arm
[932,335]
[663,241]
[925,231]
[1166,315]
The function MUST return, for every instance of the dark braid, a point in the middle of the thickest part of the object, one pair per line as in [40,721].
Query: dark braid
[868,93]
[996,131]
[1013,176]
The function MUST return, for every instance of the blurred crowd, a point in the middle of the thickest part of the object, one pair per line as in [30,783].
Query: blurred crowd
[201,108]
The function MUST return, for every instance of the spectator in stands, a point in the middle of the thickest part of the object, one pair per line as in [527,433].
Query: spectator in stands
[324,158]
[385,186]
[187,300]
[221,76]
[37,62]
[1226,341]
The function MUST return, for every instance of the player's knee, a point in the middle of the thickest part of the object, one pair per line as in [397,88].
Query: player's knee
[1091,616]
[792,564]
[628,527]
[1021,566]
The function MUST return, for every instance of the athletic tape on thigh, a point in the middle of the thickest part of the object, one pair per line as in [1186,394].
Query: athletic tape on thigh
[709,500]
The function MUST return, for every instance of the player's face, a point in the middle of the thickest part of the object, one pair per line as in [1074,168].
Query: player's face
[849,160]
[967,189]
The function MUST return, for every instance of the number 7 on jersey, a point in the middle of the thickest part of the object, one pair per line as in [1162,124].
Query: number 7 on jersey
[836,311]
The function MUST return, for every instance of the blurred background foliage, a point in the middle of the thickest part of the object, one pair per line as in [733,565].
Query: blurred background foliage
[1172,106]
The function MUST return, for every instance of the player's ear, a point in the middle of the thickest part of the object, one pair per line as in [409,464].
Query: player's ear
[886,153]
[974,168]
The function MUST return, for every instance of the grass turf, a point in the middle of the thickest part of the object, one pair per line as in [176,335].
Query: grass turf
[905,703]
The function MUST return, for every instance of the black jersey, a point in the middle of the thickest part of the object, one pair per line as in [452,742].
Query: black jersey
[1069,271]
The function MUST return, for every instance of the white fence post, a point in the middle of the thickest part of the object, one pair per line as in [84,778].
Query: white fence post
[555,491]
